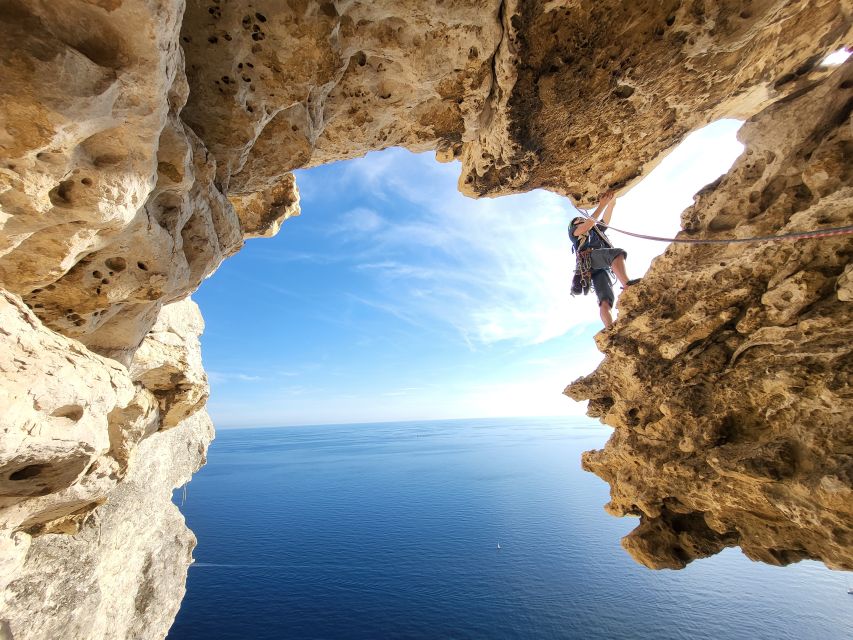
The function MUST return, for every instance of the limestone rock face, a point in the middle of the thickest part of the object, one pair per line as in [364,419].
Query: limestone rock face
[728,378]
[275,86]
[574,96]
[591,95]
[86,473]
[70,420]
[141,141]
[109,201]
[124,574]
[168,362]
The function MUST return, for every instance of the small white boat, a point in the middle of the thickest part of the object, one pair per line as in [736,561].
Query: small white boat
[499,546]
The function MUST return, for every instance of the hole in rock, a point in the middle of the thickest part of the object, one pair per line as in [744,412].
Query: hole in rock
[71,411]
[61,195]
[25,473]
[116,264]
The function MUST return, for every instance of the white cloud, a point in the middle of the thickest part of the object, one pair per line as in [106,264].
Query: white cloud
[494,274]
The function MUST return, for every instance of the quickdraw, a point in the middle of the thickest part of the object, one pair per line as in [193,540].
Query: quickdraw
[582,280]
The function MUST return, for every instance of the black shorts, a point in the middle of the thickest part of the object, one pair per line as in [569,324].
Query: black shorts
[602,286]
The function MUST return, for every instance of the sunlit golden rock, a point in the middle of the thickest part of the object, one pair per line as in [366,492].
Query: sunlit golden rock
[728,375]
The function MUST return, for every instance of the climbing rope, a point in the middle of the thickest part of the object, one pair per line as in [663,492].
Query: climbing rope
[796,235]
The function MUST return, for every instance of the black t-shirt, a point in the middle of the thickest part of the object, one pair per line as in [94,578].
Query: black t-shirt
[594,238]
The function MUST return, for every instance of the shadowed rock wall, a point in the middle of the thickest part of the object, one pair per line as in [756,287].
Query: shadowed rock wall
[143,140]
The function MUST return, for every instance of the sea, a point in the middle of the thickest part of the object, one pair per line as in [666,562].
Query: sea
[456,529]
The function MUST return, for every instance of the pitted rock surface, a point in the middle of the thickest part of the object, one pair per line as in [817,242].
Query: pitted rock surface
[729,378]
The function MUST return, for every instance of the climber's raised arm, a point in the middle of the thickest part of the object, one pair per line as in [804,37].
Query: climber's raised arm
[608,212]
[588,224]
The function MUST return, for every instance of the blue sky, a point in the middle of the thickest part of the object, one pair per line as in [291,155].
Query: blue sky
[393,297]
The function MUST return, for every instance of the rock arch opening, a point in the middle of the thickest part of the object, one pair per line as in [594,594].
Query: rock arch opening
[159,149]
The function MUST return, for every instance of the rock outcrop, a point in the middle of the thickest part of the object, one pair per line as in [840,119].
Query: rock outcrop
[91,453]
[729,378]
[143,140]
[124,574]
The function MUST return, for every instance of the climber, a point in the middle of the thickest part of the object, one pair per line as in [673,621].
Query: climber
[597,258]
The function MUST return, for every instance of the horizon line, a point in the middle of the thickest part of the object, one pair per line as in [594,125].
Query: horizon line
[413,420]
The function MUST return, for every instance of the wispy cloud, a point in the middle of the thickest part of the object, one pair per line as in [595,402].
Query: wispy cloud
[283,257]
[492,270]
[224,377]
[221,377]
[400,392]
[415,302]
[359,220]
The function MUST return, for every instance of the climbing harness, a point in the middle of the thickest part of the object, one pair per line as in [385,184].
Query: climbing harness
[582,280]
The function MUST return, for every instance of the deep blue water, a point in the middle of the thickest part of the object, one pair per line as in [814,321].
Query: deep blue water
[391,531]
